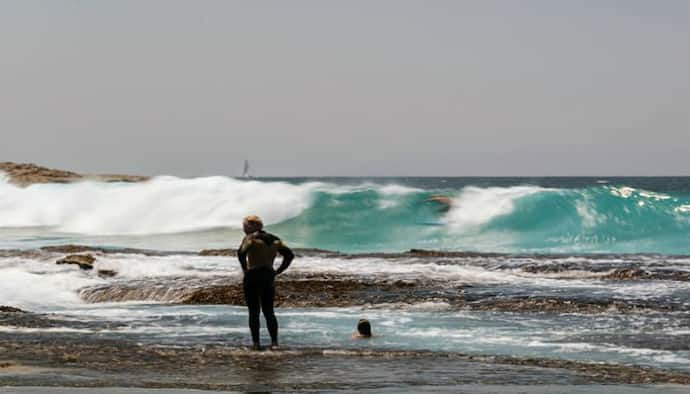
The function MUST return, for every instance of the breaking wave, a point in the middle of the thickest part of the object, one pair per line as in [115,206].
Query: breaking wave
[363,217]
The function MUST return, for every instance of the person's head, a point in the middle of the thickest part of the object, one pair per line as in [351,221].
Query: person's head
[364,328]
[252,224]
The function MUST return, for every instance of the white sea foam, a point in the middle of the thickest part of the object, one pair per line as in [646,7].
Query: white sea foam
[682,209]
[135,266]
[161,205]
[589,215]
[42,289]
[166,204]
[624,192]
[476,206]
[42,284]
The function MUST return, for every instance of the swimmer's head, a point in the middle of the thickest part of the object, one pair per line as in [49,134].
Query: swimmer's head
[364,328]
[252,224]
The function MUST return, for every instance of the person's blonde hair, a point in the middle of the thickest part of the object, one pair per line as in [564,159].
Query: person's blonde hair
[252,224]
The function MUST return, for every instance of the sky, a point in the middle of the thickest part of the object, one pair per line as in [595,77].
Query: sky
[347,88]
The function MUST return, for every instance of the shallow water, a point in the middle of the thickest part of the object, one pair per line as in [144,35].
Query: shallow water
[656,338]
[617,339]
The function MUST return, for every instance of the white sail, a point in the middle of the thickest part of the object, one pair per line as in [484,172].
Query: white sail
[245,173]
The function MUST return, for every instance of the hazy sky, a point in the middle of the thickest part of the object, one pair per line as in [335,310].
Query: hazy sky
[347,88]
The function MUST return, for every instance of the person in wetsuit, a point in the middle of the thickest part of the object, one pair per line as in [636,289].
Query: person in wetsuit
[256,255]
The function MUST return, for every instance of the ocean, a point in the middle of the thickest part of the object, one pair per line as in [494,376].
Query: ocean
[507,215]
[571,272]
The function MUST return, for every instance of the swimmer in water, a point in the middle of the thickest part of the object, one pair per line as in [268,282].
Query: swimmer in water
[363,330]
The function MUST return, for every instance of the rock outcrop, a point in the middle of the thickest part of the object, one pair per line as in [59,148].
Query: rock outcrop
[10,309]
[639,274]
[317,292]
[84,261]
[106,273]
[563,305]
[25,174]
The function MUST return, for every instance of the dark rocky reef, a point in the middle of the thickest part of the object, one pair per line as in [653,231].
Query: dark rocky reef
[299,252]
[84,261]
[316,292]
[639,274]
[328,290]
[604,272]
[227,366]
[73,249]
[25,174]
[291,291]
[10,309]
[564,305]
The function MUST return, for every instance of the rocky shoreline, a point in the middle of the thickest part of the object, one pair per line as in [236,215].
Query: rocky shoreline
[333,291]
[151,365]
[296,289]
[26,174]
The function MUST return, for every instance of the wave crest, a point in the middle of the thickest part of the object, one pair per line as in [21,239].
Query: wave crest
[161,205]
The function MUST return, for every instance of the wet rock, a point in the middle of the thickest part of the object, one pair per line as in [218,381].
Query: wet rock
[84,248]
[627,274]
[218,252]
[10,309]
[106,273]
[404,283]
[298,252]
[640,274]
[84,261]
[67,248]
[127,360]
[25,174]
[309,292]
[291,290]
[561,305]
[602,372]
[549,268]
[424,253]
[681,276]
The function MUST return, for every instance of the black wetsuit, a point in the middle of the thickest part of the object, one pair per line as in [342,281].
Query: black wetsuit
[256,255]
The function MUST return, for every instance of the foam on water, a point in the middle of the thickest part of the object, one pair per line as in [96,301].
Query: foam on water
[161,205]
[173,213]
[39,283]
[439,331]
[475,206]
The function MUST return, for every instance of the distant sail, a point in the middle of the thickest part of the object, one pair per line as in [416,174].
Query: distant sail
[245,173]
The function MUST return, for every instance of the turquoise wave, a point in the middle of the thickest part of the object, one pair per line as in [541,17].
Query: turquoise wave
[600,219]
[354,215]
